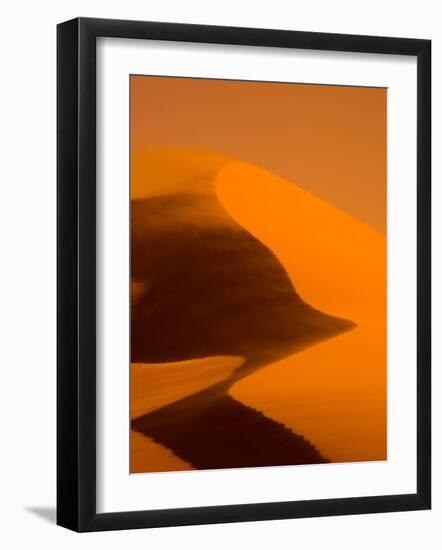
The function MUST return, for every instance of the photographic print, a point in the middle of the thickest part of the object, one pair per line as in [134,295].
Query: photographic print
[258,274]
[228,348]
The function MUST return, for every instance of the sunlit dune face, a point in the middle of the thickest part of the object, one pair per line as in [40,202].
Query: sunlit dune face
[169,382]
[335,392]
[336,263]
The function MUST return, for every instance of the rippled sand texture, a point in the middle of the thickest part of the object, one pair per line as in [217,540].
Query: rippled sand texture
[258,320]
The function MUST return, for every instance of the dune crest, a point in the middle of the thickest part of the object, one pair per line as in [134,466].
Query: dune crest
[167,171]
[336,262]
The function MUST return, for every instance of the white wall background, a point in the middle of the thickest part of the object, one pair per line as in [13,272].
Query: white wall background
[27,289]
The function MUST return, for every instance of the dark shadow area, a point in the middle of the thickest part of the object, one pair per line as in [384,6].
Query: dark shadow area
[216,431]
[210,288]
[46,513]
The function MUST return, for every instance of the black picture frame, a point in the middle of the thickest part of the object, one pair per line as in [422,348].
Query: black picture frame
[76,274]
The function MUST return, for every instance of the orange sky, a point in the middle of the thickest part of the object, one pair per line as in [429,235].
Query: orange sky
[329,140]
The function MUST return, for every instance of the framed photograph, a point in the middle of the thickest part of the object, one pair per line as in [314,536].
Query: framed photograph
[243,274]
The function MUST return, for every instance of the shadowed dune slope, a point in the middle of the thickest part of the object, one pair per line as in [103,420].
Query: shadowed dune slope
[204,286]
[216,431]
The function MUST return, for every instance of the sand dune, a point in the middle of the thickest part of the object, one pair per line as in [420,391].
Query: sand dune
[153,387]
[233,261]
[211,288]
